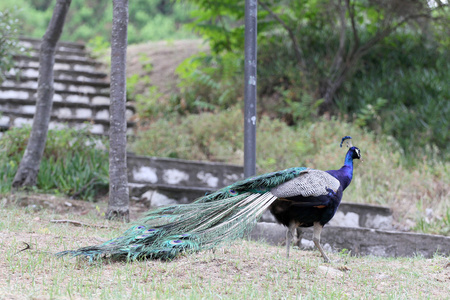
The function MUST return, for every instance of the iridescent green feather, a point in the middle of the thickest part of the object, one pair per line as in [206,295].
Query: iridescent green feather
[222,216]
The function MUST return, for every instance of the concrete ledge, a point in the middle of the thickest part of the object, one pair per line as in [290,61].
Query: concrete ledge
[179,172]
[361,241]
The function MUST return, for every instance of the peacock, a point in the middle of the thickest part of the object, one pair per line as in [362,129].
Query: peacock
[297,197]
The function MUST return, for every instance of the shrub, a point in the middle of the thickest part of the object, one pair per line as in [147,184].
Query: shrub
[73,163]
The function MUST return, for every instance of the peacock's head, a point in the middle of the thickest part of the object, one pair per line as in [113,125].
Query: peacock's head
[356,153]
[353,151]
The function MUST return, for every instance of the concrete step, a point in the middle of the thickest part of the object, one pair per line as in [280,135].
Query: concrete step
[79,96]
[33,73]
[92,113]
[14,103]
[96,125]
[360,241]
[60,46]
[100,87]
[80,64]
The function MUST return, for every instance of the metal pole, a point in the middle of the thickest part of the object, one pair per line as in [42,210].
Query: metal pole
[251,11]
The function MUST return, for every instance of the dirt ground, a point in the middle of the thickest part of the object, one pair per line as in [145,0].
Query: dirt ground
[243,270]
[164,57]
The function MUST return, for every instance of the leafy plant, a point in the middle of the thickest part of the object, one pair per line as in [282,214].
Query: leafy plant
[73,163]
[9,40]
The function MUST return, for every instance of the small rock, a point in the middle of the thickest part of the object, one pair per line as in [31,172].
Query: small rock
[330,271]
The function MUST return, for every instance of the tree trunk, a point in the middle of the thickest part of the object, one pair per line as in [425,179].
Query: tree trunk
[118,206]
[26,175]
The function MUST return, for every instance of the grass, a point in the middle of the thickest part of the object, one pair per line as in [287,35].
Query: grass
[243,270]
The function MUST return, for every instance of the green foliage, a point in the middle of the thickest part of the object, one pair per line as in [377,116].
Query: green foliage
[435,224]
[72,163]
[396,85]
[408,95]
[209,83]
[9,46]
[148,19]
[99,47]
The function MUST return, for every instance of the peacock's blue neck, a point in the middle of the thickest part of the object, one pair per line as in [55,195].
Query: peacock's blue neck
[344,174]
[347,170]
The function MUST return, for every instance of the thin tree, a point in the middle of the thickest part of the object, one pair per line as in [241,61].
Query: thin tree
[26,175]
[118,206]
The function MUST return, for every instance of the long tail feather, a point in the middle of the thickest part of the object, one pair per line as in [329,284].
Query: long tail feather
[213,219]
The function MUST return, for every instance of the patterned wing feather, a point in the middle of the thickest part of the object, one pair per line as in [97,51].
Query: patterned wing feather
[310,183]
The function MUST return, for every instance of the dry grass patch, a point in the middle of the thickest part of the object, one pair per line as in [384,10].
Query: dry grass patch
[243,270]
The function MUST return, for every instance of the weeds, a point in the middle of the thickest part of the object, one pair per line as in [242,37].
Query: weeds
[73,163]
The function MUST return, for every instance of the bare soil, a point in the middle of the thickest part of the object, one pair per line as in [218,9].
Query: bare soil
[164,57]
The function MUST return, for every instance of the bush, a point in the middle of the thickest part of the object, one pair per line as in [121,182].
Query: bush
[72,163]
[9,43]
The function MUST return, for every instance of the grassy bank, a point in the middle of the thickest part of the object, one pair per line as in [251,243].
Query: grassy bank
[243,270]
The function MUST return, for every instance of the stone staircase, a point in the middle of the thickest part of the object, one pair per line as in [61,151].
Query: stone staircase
[81,90]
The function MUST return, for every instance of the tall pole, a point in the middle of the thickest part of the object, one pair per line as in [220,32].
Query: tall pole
[251,11]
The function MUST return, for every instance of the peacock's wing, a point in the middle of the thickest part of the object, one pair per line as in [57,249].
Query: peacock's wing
[219,217]
[307,188]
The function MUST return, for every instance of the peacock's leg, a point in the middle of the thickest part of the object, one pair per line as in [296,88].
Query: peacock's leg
[298,243]
[290,234]
[316,239]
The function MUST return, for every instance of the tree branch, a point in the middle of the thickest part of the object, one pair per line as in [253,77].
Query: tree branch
[339,57]
[297,50]
[351,13]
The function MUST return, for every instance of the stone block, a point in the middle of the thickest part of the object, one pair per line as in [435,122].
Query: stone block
[8,83]
[63,113]
[144,174]
[77,99]
[61,66]
[59,86]
[102,114]
[83,113]
[174,176]
[100,100]
[97,129]
[19,122]
[5,121]
[84,89]
[30,73]
[57,98]
[84,68]
[9,94]
[28,109]
[154,199]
